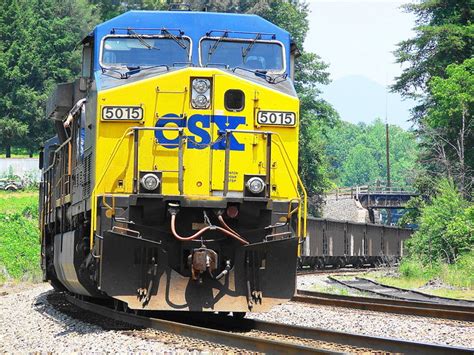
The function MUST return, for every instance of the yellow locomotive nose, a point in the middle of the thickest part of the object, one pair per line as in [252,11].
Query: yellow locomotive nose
[208,132]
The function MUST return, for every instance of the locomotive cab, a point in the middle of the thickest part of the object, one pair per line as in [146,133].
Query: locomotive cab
[174,186]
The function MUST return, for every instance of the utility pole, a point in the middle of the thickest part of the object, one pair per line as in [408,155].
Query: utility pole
[387,152]
[387,149]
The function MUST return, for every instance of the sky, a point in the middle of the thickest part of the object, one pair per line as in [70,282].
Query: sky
[357,38]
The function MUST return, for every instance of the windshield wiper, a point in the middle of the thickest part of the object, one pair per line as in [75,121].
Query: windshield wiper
[142,40]
[131,70]
[173,37]
[215,45]
[138,68]
[246,51]
[264,75]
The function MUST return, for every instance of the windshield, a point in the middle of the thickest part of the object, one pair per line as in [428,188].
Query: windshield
[139,50]
[250,54]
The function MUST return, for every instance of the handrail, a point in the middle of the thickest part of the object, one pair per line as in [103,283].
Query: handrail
[355,191]
[301,185]
[128,132]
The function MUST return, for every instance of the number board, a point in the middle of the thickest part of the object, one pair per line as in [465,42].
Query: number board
[122,113]
[276,118]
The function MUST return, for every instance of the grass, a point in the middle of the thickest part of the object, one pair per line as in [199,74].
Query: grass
[19,237]
[12,202]
[339,290]
[330,289]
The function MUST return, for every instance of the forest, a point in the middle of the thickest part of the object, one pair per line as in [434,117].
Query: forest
[39,47]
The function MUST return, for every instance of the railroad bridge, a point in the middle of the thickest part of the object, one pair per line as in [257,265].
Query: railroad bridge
[373,197]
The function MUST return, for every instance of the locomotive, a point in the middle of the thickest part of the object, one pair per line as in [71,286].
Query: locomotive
[171,183]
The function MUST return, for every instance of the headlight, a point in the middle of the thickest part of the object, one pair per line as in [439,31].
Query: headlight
[150,182]
[201,93]
[200,101]
[255,185]
[201,85]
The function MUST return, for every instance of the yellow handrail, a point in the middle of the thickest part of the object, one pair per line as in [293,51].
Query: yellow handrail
[300,183]
[93,194]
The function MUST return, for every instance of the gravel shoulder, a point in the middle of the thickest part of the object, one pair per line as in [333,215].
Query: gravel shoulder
[29,323]
[411,328]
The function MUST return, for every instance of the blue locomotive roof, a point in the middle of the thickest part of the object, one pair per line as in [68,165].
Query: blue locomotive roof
[194,25]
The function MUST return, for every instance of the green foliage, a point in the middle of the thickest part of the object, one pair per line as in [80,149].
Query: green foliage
[38,48]
[413,268]
[446,227]
[448,122]
[412,213]
[19,236]
[458,274]
[11,131]
[357,153]
[438,72]
[444,34]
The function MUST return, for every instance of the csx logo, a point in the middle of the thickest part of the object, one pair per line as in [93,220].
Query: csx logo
[200,138]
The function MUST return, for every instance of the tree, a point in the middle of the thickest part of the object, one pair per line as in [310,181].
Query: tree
[444,40]
[360,167]
[444,35]
[448,123]
[357,154]
[39,49]
[11,131]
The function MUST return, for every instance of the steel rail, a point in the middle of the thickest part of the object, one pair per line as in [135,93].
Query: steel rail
[413,308]
[251,343]
[255,343]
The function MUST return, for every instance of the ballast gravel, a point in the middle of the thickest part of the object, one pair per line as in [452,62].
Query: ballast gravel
[388,325]
[28,323]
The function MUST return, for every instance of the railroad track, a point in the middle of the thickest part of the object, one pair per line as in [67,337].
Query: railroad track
[370,286]
[413,308]
[258,336]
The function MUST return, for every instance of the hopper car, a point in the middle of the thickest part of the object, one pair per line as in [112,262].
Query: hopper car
[336,244]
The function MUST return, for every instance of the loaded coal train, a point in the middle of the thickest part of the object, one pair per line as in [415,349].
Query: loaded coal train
[171,183]
[336,244]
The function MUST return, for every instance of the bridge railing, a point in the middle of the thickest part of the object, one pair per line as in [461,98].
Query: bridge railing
[354,192]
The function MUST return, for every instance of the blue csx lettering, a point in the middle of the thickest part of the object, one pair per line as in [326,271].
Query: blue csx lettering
[197,124]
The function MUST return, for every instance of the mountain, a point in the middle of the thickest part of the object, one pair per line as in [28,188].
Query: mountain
[360,99]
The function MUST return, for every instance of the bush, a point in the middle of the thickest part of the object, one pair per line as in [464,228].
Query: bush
[414,268]
[446,227]
[459,274]
[19,238]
